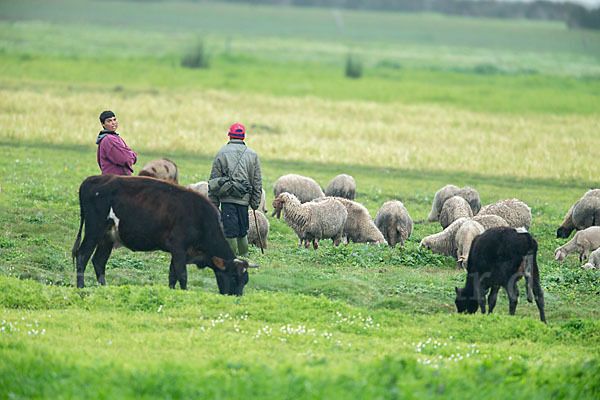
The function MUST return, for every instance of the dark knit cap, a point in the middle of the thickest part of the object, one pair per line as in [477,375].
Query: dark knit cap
[105,115]
[237,131]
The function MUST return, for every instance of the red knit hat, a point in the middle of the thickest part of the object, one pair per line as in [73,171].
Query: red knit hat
[237,131]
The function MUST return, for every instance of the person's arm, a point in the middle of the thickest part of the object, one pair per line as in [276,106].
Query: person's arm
[122,155]
[216,172]
[256,183]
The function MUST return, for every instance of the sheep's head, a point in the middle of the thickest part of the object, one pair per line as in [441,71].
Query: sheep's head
[462,262]
[563,233]
[588,266]
[560,255]
[425,244]
[277,206]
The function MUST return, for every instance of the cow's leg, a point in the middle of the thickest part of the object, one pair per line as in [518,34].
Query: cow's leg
[84,253]
[172,275]
[178,260]
[492,298]
[513,296]
[480,295]
[539,296]
[101,257]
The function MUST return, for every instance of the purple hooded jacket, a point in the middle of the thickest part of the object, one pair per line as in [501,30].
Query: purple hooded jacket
[114,157]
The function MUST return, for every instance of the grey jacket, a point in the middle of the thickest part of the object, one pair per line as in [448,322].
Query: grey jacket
[247,172]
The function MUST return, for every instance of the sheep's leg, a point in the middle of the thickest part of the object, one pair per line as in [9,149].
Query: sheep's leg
[337,239]
[315,243]
[584,255]
[492,298]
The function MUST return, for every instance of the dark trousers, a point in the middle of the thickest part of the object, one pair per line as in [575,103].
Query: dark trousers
[235,220]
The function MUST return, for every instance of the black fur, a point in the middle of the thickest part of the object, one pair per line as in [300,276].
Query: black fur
[500,257]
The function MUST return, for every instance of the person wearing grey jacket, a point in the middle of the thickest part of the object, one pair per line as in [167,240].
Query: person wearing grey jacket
[237,161]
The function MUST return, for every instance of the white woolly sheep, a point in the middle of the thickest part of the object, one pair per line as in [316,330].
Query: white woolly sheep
[593,261]
[454,208]
[583,214]
[263,225]
[490,221]
[464,237]
[439,199]
[472,197]
[359,227]
[582,243]
[313,220]
[516,213]
[444,242]
[341,186]
[162,168]
[394,222]
[305,189]
[200,187]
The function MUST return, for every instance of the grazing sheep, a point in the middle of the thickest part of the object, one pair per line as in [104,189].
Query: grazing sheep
[200,187]
[162,168]
[490,221]
[593,261]
[583,243]
[500,257]
[464,237]
[516,213]
[439,199]
[359,228]
[313,220]
[472,197]
[341,186]
[444,242]
[394,222]
[305,189]
[263,225]
[583,214]
[454,208]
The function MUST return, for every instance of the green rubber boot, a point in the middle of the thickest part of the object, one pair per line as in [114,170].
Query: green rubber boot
[233,244]
[242,245]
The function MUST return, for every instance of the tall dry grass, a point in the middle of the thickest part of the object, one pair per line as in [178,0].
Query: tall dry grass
[395,135]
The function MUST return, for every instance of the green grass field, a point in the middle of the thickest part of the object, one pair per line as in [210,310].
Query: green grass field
[507,107]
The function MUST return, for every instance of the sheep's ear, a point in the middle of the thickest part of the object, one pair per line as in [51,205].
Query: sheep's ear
[556,255]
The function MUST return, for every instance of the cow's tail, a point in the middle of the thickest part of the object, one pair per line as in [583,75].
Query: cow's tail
[75,249]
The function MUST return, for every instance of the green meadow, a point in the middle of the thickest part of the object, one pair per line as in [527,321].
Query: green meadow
[509,107]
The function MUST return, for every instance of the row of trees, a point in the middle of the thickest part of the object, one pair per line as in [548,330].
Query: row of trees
[574,15]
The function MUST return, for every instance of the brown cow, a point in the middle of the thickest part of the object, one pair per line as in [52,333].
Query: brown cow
[146,214]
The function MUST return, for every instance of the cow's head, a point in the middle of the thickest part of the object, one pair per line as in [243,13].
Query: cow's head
[232,275]
[464,303]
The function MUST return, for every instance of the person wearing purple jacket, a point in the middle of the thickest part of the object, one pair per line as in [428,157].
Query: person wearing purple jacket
[114,157]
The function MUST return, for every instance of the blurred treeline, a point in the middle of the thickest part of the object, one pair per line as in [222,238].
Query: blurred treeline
[574,15]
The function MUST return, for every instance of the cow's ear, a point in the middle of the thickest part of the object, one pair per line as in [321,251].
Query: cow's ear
[456,289]
[219,263]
